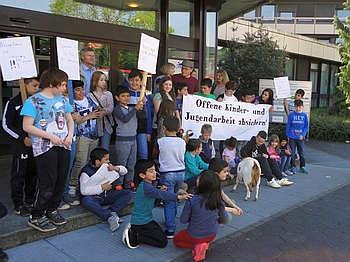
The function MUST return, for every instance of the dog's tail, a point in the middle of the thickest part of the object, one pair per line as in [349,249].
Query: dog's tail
[255,175]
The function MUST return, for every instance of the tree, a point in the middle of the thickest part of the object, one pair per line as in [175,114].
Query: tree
[344,52]
[258,56]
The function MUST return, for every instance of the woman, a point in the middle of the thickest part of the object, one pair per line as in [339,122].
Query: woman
[220,82]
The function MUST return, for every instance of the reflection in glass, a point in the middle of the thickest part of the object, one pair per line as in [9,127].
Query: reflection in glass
[181,15]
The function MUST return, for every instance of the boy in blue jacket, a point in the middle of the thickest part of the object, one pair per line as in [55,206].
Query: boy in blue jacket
[143,229]
[296,130]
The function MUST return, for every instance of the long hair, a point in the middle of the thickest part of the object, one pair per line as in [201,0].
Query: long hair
[224,76]
[277,139]
[270,99]
[161,89]
[94,80]
[210,187]
[166,108]
[166,68]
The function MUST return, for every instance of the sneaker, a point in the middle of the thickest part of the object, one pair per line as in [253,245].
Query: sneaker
[288,173]
[56,218]
[113,223]
[42,224]
[120,220]
[70,201]
[22,210]
[200,251]
[284,182]
[169,234]
[128,237]
[303,170]
[29,203]
[273,183]
[3,256]
[72,191]
[63,206]
[293,169]
[284,174]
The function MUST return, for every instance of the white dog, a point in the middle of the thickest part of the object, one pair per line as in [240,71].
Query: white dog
[249,172]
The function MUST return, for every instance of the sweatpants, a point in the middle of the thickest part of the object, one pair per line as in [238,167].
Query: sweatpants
[150,234]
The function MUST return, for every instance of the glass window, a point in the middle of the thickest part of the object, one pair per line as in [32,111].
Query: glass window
[342,14]
[268,12]
[210,45]
[314,76]
[324,79]
[181,15]
[334,79]
[339,41]
[291,68]
[250,16]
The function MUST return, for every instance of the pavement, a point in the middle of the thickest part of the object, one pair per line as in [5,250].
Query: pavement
[307,221]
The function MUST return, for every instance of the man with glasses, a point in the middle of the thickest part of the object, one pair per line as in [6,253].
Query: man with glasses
[185,77]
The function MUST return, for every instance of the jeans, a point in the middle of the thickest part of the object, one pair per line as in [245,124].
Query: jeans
[105,140]
[173,181]
[126,156]
[285,163]
[116,198]
[142,146]
[300,145]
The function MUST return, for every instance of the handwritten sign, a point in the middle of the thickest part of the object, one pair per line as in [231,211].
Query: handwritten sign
[282,87]
[148,54]
[16,58]
[238,119]
[68,60]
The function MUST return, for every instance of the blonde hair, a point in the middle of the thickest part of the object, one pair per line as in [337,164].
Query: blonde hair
[206,129]
[166,68]
[224,76]
[277,139]
[94,80]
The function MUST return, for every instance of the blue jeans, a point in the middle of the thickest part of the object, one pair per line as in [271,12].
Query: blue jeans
[71,162]
[126,156]
[116,198]
[285,163]
[105,139]
[173,181]
[142,146]
[300,145]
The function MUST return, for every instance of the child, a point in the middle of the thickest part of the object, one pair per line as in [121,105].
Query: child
[170,152]
[208,150]
[296,130]
[230,90]
[266,97]
[126,131]
[104,100]
[86,132]
[180,91]
[206,85]
[229,155]
[220,167]
[194,165]
[143,229]
[273,149]
[23,172]
[247,96]
[144,124]
[166,109]
[94,197]
[255,148]
[203,213]
[47,118]
[286,154]
[289,107]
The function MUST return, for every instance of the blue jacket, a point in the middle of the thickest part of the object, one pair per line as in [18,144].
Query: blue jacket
[298,124]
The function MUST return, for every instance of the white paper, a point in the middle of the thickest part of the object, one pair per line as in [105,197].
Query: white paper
[68,60]
[148,53]
[282,87]
[16,58]
[101,176]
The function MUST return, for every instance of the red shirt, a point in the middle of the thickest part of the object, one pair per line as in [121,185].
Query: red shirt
[191,82]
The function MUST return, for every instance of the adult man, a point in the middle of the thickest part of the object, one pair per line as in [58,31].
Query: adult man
[87,57]
[185,77]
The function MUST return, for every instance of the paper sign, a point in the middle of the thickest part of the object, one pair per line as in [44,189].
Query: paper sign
[282,87]
[68,60]
[148,54]
[101,176]
[16,58]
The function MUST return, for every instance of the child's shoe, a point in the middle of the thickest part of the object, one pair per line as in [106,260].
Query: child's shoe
[120,220]
[42,224]
[113,223]
[273,183]
[199,251]
[56,218]
[284,182]
[22,211]
[70,201]
[289,173]
[72,191]
[63,206]
[284,174]
[128,237]
[304,170]
[169,234]
[293,169]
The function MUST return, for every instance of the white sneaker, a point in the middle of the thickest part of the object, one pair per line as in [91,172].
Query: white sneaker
[120,220]
[113,223]
[284,174]
[284,182]
[273,183]
[72,191]
[289,173]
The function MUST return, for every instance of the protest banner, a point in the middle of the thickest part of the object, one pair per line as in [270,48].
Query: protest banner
[238,119]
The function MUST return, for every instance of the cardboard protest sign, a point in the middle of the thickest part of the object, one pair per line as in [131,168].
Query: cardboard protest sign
[148,54]
[282,87]
[68,59]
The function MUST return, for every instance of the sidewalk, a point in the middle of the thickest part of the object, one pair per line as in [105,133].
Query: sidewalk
[308,221]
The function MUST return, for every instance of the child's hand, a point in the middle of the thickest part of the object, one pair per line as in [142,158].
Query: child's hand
[300,137]
[76,116]
[111,168]
[28,142]
[67,141]
[234,210]
[287,152]
[231,176]
[139,105]
[56,140]
[184,197]
[265,155]
[163,188]
[106,186]
[219,99]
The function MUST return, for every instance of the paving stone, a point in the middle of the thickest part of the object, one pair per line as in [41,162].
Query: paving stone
[246,242]
[293,237]
[270,240]
[273,230]
[314,245]
[243,255]
[267,252]
[320,236]
[294,228]
[315,256]
[290,257]
[293,248]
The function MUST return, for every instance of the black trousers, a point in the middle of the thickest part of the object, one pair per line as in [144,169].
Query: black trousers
[3,210]
[269,167]
[23,174]
[52,169]
[150,234]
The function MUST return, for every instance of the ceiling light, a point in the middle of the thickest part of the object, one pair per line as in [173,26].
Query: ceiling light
[133,5]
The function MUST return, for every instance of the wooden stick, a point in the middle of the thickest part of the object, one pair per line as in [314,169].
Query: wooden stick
[22,88]
[144,82]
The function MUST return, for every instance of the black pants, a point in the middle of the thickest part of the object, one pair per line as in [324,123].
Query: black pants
[150,234]
[52,169]
[23,174]
[3,210]
[269,167]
